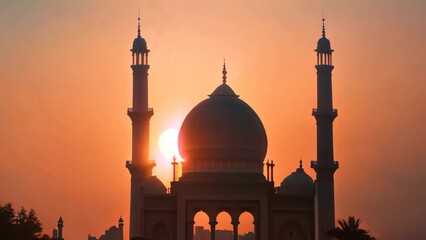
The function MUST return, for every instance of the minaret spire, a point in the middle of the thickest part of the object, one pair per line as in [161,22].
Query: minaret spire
[323,25]
[224,72]
[139,24]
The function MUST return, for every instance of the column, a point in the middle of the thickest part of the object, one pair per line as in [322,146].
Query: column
[213,229]
[235,225]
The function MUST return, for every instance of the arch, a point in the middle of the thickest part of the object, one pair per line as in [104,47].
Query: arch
[224,228]
[291,231]
[160,232]
[246,226]
[201,229]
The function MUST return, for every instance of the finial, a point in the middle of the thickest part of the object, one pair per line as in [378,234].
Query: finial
[224,72]
[139,24]
[300,163]
[323,25]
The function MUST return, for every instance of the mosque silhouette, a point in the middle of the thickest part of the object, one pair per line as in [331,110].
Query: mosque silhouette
[224,143]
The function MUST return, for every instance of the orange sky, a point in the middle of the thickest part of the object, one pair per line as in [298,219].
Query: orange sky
[65,85]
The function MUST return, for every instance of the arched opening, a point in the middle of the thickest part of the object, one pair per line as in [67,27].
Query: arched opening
[292,231]
[201,230]
[224,229]
[160,232]
[246,227]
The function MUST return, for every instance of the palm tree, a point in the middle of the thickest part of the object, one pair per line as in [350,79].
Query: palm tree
[349,230]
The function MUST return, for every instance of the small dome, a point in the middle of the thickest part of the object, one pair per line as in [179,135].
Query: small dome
[297,182]
[153,185]
[222,135]
[139,45]
[323,46]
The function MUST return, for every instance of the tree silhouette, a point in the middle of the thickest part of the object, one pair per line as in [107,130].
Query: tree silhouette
[349,230]
[22,225]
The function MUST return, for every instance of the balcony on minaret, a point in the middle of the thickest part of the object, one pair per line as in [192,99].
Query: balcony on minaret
[324,59]
[140,59]
[133,114]
[317,112]
[148,110]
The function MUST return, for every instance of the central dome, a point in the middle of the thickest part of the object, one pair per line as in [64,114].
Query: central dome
[222,136]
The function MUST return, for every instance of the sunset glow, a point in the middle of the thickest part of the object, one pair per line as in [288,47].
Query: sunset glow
[66,84]
[168,143]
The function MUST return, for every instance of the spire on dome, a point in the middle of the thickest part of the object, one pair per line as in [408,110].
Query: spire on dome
[139,24]
[224,72]
[323,26]
[300,163]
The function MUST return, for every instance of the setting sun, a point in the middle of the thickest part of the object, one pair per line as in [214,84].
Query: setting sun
[168,143]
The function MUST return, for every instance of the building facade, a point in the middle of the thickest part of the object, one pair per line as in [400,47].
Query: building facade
[224,143]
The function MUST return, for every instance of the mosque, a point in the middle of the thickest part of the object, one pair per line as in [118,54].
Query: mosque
[224,143]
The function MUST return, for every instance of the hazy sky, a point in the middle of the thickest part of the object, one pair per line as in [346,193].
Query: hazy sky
[65,85]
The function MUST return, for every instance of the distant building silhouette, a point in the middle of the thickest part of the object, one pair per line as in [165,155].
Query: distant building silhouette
[57,233]
[113,233]
[224,143]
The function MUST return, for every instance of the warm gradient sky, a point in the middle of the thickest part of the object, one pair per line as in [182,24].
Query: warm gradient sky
[65,84]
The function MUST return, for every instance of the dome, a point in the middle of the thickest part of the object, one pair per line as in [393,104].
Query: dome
[153,185]
[323,45]
[139,45]
[297,182]
[222,134]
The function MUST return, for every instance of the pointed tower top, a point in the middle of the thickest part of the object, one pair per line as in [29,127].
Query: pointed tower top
[139,24]
[323,26]
[224,72]
[139,44]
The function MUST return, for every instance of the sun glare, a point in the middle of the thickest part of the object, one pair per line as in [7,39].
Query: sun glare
[168,143]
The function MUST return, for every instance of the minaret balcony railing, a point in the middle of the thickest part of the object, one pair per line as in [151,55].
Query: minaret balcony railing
[315,111]
[130,110]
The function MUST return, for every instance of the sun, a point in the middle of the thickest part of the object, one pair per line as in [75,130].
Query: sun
[168,143]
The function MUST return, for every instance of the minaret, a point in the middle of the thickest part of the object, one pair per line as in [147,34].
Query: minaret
[140,167]
[120,227]
[60,226]
[325,166]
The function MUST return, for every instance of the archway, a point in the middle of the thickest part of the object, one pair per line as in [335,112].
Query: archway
[224,229]
[201,230]
[292,231]
[246,226]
